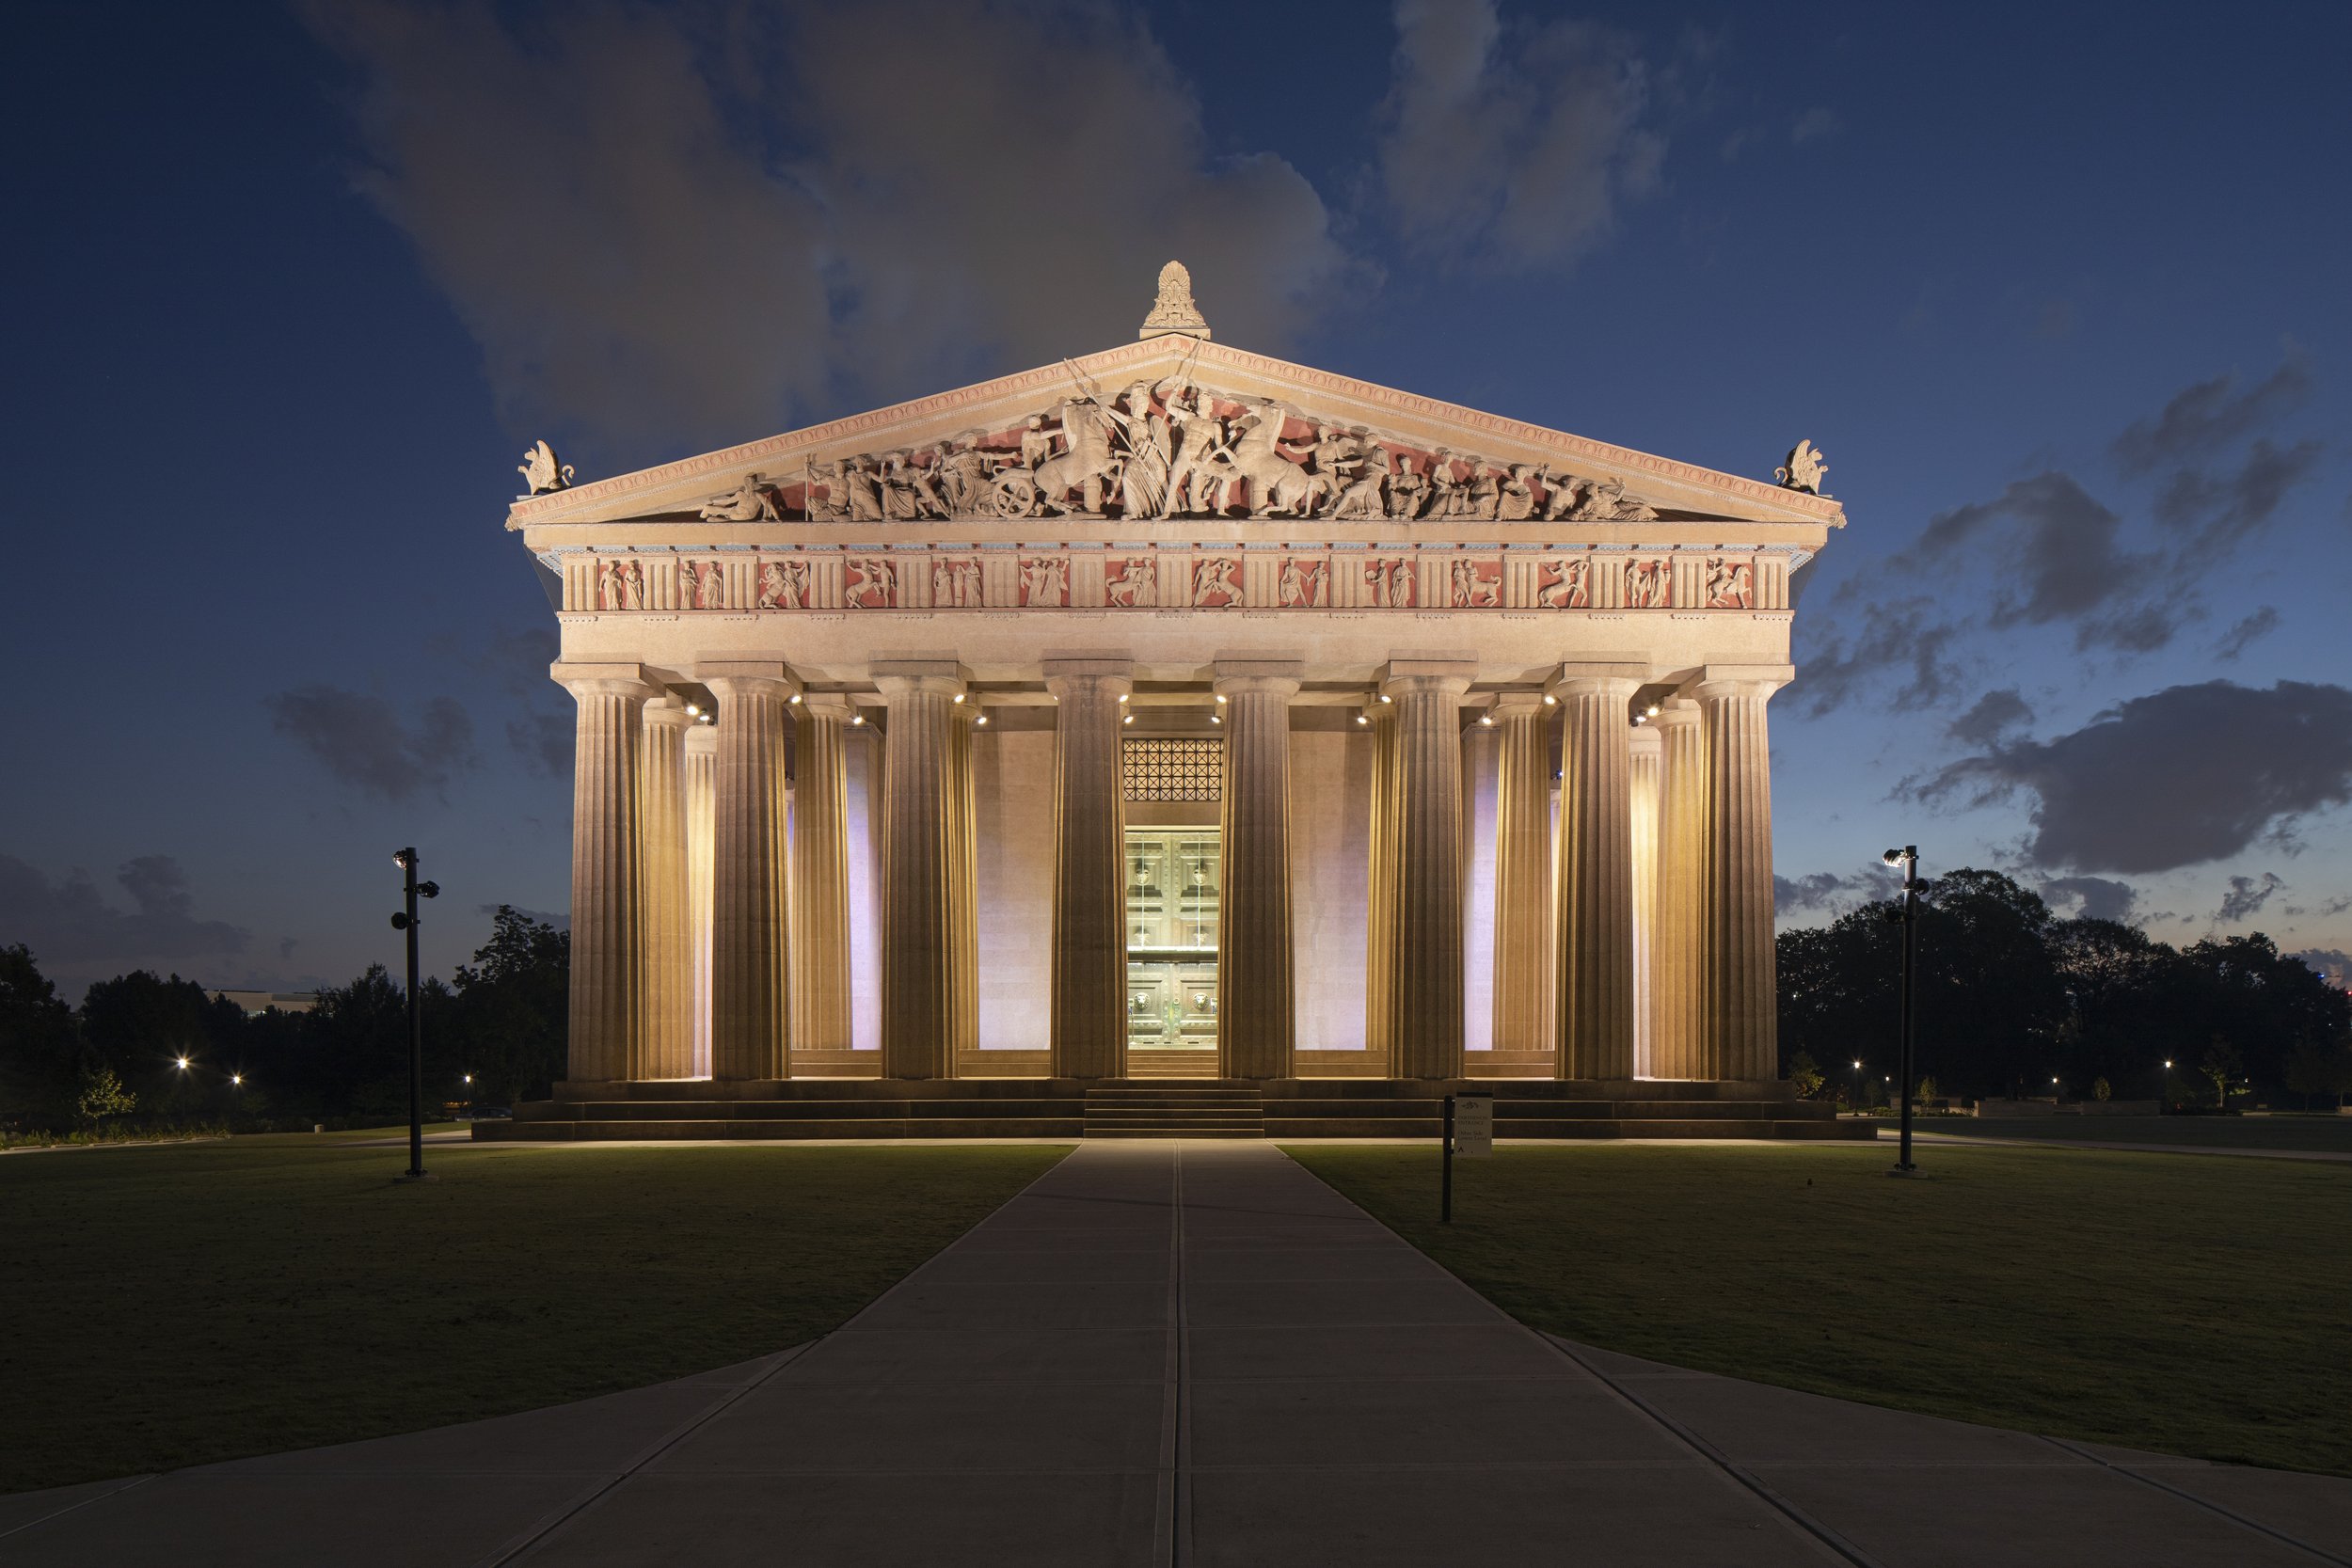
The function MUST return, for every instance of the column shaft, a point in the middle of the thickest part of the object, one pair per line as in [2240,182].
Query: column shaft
[1089,1012]
[920,877]
[1426,972]
[666,1046]
[1382,937]
[607,955]
[1642,788]
[1743,1023]
[1678,985]
[701,770]
[821,874]
[1256,1015]
[1522,873]
[1595,879]
[749,990]
[964,946]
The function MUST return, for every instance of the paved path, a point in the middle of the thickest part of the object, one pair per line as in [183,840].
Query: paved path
[1195,1354]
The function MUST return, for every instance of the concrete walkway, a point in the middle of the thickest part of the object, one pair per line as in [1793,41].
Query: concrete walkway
[1195,1354]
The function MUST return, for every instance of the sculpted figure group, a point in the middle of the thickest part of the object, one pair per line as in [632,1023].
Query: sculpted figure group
[1170,449]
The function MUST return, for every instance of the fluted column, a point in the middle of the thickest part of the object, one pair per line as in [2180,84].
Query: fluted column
[666,1046]
[1426,973]
[1380,940]
[820,874]
[1089,1006]
[1678,988]
[1522,872]
[920,876]
[749,989]
[963,869]
[1256,1011]
[606,966]
[1642,791]
[1741,1019]
[702,772]
[1596,893]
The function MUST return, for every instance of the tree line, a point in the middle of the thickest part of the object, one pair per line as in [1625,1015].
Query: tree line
[2012,1001]
[116,1059]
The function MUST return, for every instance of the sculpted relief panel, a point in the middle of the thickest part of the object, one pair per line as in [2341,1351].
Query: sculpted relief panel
[1178,578]
[1171,449]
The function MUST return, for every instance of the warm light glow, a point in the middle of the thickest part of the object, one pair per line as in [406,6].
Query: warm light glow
[1221,696]
[2168,1067]
[980,719]
[1857,1067]
[959,696]
[237,1079]
[1363,719]
[857,719]
[1640,718]
[792,699]
[1123,697]
[1127,718]
[1385,697]
[1551,700]
[694,712]
[1216,719]
[183,1063]
[1653,710]
[1488,719]
[470,1078]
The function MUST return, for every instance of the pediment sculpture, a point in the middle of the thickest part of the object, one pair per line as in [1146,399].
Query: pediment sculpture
[542,472]
[1804,470]
[1173,448]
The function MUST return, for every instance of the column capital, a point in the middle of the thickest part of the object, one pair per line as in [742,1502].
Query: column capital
[910,677]
[609,680]
[829,704]
[1675,712]
[1646,741]
[1274,676]
[1739,680]
[1066,675]
[667,712]
[702,741]
[748,675]
[1619,678]
[1518,704]
[1433,676]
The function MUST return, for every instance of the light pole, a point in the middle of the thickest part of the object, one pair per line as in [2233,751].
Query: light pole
[407,921]
[1908,857]
[2164,1092]
[1855,1099]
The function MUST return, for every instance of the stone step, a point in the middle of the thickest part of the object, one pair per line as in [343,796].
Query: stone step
[1186,1131]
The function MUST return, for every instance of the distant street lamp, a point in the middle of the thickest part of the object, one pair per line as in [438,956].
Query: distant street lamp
[1856,1097]
[2164,1098]
[1908,857]
[407,921]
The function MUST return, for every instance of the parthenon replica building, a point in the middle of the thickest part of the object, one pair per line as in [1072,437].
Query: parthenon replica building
[1169,713]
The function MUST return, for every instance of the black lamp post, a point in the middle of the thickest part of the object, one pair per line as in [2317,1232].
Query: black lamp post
[407,921]
[1908,857]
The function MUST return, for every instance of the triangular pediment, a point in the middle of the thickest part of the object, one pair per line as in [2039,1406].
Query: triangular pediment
[1174,427]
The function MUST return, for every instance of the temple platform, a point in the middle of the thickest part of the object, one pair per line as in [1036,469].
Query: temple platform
[883,1108]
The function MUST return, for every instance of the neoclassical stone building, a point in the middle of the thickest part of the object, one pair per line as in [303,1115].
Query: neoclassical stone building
[1171,711]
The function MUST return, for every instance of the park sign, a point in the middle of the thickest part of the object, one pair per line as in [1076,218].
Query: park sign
[1473,1124]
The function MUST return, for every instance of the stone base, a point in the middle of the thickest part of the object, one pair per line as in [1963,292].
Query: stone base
[1060,1108]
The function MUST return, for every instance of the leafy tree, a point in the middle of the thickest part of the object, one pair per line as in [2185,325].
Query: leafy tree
[40,1043]
[1804,1075]
[2222,1067]
[103,1096]
[2102,1089]
[513,1012]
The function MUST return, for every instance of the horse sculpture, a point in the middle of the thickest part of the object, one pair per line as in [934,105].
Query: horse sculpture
[1278,487]
[1087,461]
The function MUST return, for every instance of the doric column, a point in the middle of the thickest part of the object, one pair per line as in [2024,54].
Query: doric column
[1256,1010]
[1522,872]
[702,776]
[1089,1006]
[1380,940]
[749,989]
[606,957]
[1596,891]
[1678,988]
[666,1046]
[1642,792]
[921,880]
[820,874]
[1426,966]
[1742,1026]
[964,867]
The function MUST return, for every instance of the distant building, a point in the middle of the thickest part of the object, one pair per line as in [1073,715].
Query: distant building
[258,1001]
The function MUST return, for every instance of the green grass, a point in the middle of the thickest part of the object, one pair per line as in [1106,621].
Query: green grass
[2186,1305]
[2325,1134]
[173,1306]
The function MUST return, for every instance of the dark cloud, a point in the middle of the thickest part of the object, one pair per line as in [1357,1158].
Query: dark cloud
[2209,416]
[363,741]
[544,741]
[1813,124]
[1828,890]
[2246,896]
[2331,964]
[2059,561]
[1846,662]
[2091,897]
[517,659]
[1994,715]
[2179,777]
[2220,511]
[705,223]
[2240,637]
[69,924]
[2336,906]
[1512,144]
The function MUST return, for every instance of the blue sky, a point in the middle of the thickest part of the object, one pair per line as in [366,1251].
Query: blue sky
[2060,292]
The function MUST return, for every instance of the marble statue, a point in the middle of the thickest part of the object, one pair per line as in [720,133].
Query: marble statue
[542,472]
[1173,309]
[747,503]
[1516,502]
[1730,584]
[1805,470]
[1087,463]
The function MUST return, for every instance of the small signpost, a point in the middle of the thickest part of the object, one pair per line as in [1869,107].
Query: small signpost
[1470,1131]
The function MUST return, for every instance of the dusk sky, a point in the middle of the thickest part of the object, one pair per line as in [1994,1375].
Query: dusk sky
[2061,292]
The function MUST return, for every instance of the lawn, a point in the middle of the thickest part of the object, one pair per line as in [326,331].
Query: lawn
[2186,1305]
[2326,1134]
[171,1305]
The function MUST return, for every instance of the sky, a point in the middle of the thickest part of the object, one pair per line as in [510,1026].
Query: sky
[2060,290]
